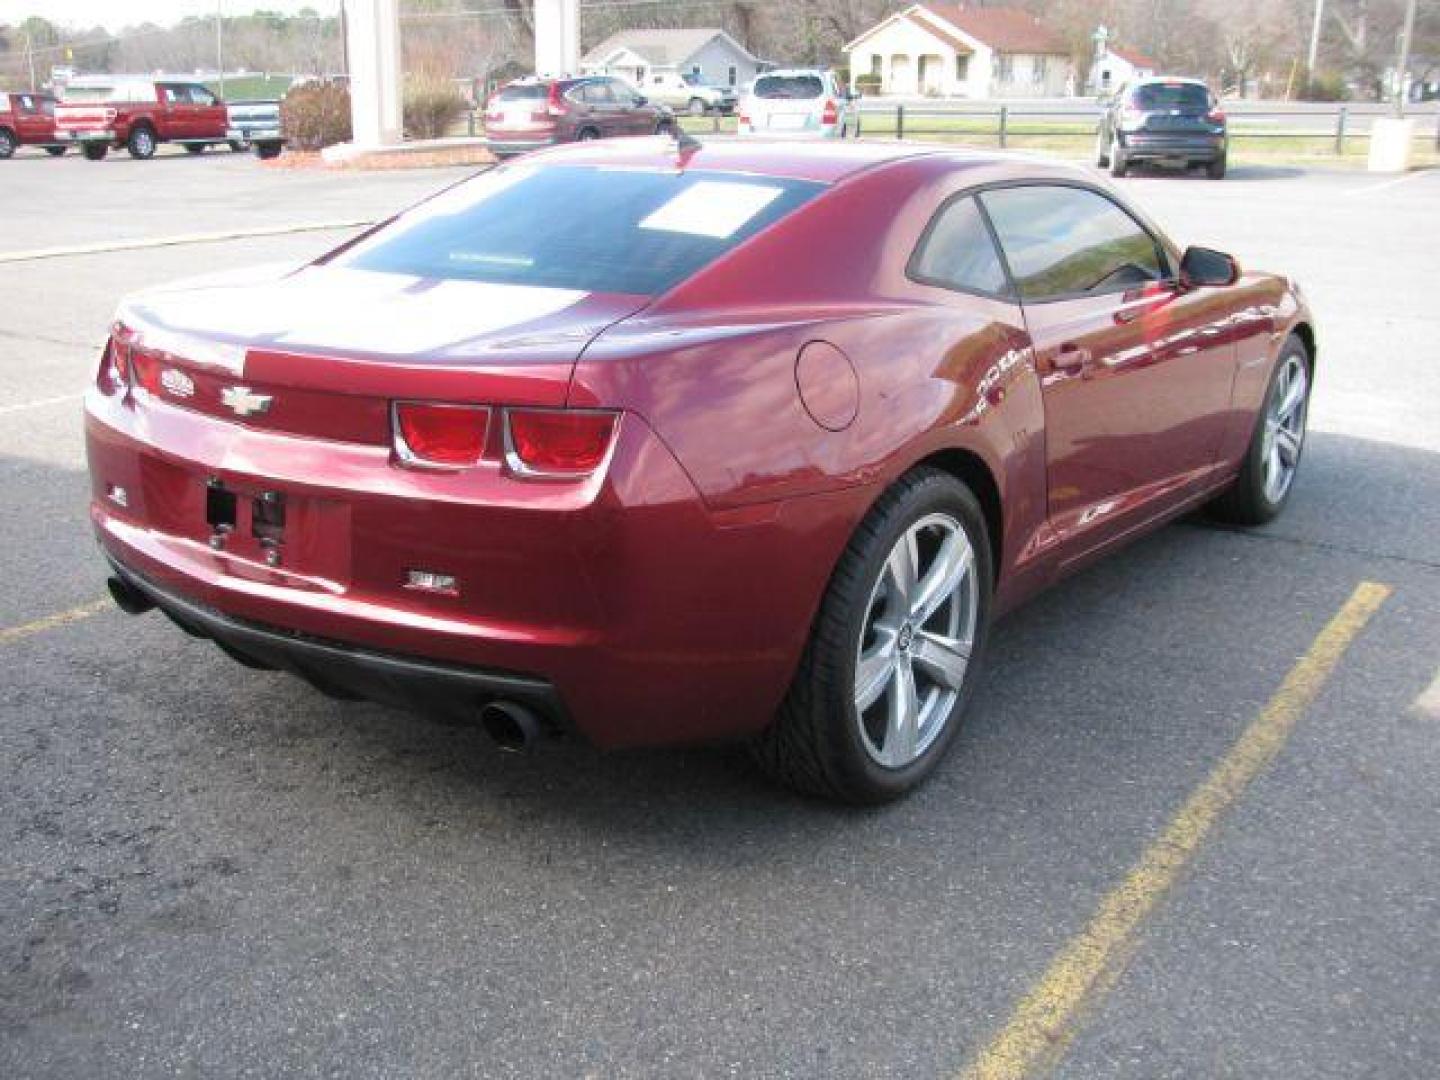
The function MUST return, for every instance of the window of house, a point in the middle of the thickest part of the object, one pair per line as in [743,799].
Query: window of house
[957,252]
[1038,66]
[1065,241]
[962,67]
[1004,68]
[877,65]
[734,75]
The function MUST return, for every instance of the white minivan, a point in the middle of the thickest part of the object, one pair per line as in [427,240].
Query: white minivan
[799,102]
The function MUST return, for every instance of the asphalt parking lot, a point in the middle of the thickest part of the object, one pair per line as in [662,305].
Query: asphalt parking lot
[206,870]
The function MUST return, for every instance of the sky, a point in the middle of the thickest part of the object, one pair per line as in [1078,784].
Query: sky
[114,14]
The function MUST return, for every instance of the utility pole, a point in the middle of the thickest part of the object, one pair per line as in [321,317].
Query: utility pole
[220,47]
[30,58]
[1315,40]
[1401,89]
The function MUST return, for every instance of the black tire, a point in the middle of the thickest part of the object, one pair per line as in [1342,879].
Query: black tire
[236,146]
[586,134]
[95,151]
[1246,502]
[195,148]
[56,151]
[1102,157]
[1119,165]
[8,142]
[266,151]
[141,143]
[815,743]
[1216,169]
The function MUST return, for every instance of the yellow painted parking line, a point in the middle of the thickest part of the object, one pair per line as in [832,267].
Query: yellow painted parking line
[1428,703]
[180,238]
[5,410]
[1046,1018]
[11,634]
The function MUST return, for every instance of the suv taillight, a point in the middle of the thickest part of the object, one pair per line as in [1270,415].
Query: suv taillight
[110,115]
[554,103]
[561,443]
[1216,116]
[439,435]
[830,115]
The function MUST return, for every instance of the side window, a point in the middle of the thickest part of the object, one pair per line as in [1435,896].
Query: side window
[27,103]
[623,94]
[597,93]
[957,252]
[200,96]
[1068,241]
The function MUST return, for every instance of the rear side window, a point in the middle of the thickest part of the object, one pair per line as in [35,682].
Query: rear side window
[1070,241]
[957,252]
[595,93]
[1153,97]
[580,227]
[789,87]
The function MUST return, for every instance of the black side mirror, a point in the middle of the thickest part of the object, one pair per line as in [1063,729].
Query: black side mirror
[1202,266]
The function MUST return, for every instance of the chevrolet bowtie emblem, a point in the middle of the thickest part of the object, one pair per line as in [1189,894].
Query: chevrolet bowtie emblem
[243,401]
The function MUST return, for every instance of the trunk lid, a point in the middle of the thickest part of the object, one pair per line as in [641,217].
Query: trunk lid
[322,352]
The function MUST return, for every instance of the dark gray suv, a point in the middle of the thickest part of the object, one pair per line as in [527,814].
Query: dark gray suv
[1167,121]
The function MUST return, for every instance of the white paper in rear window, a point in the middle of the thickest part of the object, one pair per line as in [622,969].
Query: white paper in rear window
[712,208]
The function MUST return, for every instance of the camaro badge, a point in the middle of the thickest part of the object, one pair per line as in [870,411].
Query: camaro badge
[177,383]
[243,401]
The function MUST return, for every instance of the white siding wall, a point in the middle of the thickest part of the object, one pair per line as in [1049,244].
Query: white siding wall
[900,45]
[715,61]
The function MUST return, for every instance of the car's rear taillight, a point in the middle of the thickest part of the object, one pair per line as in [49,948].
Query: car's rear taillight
[111,115]
[830,115]
[117,365]
[1216,116]
[439,435]
[743,119]
[557,442]
[554,103]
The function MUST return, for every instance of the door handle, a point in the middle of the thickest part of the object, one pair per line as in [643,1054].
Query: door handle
[1070,358]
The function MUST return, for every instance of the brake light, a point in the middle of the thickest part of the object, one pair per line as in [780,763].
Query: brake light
[830,115]
[439,435]
[117,365]
[557,442]
[743,119]
[1216,116]
[554,103]
[111,115]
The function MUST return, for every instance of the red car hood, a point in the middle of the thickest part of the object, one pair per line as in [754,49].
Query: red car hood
[361,315]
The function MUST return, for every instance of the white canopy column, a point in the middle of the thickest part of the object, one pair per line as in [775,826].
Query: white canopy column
[373,41]
[557,37]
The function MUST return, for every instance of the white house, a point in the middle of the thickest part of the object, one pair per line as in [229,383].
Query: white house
[712,54]
[945,50]
[1116,65]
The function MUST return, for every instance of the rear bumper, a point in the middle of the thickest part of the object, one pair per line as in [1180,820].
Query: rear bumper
[610,602]
[343,669]
[1140,146]
[502,145]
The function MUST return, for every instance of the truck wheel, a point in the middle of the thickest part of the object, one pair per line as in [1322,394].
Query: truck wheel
[236,146]
[696,107]
[195,148]
[266,151]
[141,143]
[56,151]
[7,143]
[1102,155]
[1216,169]
[95,151]
[1119,166]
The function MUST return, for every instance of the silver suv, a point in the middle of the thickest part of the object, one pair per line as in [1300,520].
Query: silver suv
[798,102]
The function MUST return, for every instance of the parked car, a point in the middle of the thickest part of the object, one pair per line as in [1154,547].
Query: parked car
[140,114]
[256,125]
[797,104]
[745,442]
[1164,120]
[532,113]
[28,119]
[688,92]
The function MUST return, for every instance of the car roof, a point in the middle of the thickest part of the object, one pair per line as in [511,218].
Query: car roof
[825,162]
[1151,80]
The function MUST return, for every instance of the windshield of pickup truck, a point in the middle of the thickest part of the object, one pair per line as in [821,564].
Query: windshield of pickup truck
[120,92]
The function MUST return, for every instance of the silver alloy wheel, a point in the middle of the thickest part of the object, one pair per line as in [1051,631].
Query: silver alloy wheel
[1284,427]
[916,640]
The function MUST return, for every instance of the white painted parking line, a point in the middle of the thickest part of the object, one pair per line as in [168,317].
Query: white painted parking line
[1428,703]
[5,410]
[1393,182]
[179,238]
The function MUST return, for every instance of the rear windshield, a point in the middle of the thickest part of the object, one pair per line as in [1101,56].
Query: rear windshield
[528,92]
[1154,96]
[580,227]
[789,86]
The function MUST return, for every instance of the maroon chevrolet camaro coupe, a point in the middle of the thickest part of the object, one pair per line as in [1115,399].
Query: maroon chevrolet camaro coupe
[664,444]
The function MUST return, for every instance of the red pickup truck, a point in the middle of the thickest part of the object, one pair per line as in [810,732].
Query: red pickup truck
[28,119]
[140,114]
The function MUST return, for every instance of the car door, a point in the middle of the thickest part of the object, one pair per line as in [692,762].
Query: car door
[633,115]
[208,118]
[176,109]
[601,109]
[1136,372]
